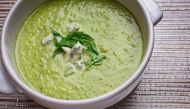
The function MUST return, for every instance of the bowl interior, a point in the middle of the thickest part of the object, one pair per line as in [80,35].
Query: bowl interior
[23,9]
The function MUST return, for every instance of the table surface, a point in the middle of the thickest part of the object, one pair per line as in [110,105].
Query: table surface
[166,81]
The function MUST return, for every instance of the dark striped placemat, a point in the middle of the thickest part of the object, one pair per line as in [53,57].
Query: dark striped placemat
[166,80]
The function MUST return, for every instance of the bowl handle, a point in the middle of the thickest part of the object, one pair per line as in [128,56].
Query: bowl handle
[154,10]
[5,84]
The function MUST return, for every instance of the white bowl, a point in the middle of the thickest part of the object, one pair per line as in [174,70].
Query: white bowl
[147,14]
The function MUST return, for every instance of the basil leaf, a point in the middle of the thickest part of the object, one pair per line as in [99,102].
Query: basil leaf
[57,37]
[95,61]
[71,39]
[81,37]
[67,43]
[92,49]
[57,51]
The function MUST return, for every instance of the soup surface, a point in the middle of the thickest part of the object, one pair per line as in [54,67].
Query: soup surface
[115,33]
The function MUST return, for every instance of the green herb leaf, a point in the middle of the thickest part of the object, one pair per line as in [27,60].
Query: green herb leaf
[57,37]
[57,51]
[67,43]
[95,61]
[81,37]
[75,37]
[92,49]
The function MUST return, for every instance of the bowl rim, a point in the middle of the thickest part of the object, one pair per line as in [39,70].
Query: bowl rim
[38,95]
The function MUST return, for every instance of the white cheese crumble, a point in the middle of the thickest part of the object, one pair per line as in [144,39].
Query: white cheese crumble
[47,40]
[67,50]
[71,69]
[77,49]
[80,64]
[72,28]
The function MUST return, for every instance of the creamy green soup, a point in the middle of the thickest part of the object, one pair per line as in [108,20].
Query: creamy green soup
[115,33]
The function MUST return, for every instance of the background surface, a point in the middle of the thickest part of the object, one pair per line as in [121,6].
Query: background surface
[166,80]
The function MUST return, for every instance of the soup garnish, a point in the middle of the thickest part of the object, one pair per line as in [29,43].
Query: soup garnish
[76,45]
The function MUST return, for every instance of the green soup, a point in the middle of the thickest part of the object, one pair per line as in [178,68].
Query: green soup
[107,21]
